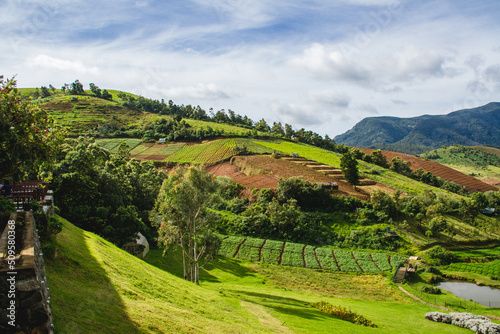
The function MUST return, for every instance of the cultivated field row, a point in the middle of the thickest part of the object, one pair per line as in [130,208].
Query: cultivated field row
[204,153]
[300,255]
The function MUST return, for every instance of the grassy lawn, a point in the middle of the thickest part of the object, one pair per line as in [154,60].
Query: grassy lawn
[96,287]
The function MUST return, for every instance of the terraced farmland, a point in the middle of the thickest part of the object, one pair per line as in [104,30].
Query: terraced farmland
[446,173]
[299,255]
[486,269]
[206,153]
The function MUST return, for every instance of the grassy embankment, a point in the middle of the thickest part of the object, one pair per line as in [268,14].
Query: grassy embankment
[96,287]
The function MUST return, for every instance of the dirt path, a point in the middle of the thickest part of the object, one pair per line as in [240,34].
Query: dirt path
[420,300]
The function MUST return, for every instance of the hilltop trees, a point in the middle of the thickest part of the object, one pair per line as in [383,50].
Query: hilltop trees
[110,195]
[182,206]
[29,137]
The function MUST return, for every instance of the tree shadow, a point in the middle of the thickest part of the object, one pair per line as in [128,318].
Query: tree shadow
[284,305]
[227,265]
[83,298]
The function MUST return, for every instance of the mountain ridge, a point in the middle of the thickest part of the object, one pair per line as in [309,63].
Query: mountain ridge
[474,126]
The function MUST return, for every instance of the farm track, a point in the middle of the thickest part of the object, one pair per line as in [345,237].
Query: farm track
[374,262]
[239,247]
[335,259]
[446,173]
[316,256]
[356,260]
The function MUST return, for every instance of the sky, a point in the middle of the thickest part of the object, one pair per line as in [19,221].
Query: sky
[321,65]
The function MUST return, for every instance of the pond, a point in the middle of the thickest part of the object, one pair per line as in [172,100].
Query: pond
[483,295]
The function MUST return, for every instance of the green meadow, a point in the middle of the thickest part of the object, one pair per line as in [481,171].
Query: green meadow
[97,288]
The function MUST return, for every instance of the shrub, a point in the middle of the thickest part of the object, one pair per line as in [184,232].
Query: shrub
[432,290]
[343,314]
[440,256]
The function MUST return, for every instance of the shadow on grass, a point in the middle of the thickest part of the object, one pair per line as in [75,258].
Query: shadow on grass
[83,299]
[230,266]
[284,305]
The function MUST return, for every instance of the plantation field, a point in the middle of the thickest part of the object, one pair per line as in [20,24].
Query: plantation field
[446,173]
[300,255]
[385,176]
[205,153]
[478,253]
[486,269]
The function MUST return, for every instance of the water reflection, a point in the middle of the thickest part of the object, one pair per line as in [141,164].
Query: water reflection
[483,295]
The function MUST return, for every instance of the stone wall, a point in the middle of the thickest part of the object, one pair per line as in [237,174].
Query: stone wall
[24,294]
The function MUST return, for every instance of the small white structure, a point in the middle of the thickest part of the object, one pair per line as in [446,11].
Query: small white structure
[138,248]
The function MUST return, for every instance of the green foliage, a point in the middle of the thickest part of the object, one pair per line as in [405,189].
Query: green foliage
[271,251]
[440,256]
[463,155]
[307,195]
[437,224]
[7,205]
[107,194]
[349,166]
[206,153]
[343,314]
[182,207]
[29,136]
[325,257]
[310,258]
[293,255]
[431,290]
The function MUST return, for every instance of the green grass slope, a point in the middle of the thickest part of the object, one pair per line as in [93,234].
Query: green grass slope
[97,288]
[81,113]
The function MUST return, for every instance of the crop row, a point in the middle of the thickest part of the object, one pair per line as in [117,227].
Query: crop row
[271,252]
[346,261]
[486,269]
[230,245]
[299,255]
[250,249]
[210,152]
[293,255]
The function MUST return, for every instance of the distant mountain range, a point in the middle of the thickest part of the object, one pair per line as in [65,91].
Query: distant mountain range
[476,126]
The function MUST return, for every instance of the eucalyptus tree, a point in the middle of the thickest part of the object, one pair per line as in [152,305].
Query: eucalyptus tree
[184,219]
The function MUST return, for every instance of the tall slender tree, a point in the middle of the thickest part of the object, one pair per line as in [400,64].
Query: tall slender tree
[182,207]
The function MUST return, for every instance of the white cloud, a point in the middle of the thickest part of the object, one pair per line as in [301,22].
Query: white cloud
[297,116]
[61,64]
[319,65]
[199,91]
[330,98]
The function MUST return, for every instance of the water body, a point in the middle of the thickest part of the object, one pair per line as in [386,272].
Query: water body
[483,295]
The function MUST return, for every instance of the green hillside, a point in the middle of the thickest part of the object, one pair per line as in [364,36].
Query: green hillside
[87,114]
[96,287]
[479,161]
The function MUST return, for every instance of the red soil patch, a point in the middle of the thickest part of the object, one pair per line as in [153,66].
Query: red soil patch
[269,171]
[446,173]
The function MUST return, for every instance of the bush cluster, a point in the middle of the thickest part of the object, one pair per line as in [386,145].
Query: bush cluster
[343,314]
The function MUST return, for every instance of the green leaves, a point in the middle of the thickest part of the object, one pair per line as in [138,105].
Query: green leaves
[29,136]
